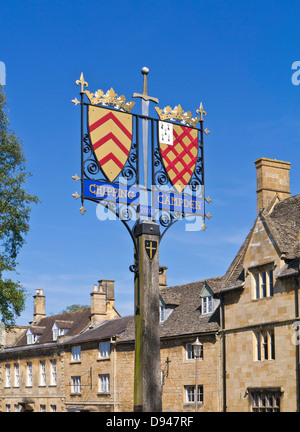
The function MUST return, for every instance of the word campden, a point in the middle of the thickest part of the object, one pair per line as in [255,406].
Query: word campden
[170,201]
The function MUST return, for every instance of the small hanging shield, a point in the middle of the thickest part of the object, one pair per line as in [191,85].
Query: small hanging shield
[151,248]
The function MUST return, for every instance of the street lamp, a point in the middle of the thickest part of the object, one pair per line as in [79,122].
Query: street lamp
[197,347]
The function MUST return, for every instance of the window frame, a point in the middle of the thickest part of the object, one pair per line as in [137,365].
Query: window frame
[189,352]
[53,372]
[207,305]
[76,384]
[7,375]
[16,375]
[104,383]
[190,391]
[264,345]
[76,353]
[42,373]
[264,400]
[29,380]
[263,282]
[104,353]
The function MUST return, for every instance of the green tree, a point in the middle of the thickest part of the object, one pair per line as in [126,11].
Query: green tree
[74,308]
[15,208]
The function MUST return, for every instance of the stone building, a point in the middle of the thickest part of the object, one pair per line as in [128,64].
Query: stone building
[247,321]
[32,364]
[260,302]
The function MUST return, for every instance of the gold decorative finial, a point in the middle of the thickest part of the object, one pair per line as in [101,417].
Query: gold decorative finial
[208,215]
[208,200]
[204,227]
[82,83]
[82,210]
[76,195]
[75,101]
[178,114]
[110,98]
[206,131]
[201,111]
[75,177]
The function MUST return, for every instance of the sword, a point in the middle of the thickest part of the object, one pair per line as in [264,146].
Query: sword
[145,112]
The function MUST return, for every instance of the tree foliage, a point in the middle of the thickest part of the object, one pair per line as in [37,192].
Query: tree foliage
[15,208]
[74,308]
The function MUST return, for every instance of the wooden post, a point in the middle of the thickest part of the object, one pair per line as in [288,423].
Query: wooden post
[147,374]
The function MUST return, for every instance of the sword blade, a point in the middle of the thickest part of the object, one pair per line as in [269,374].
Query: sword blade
[145,112]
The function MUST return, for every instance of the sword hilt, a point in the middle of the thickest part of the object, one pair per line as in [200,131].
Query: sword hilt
[145,96]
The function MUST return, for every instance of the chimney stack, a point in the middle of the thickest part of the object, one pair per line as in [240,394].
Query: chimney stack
[273,179]
[98,305]
[38,305]
[163,276]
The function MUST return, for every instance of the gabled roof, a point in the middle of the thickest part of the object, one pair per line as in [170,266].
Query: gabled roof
[105,329]
[283,224]
[76,322]
[186,318]
[38,330]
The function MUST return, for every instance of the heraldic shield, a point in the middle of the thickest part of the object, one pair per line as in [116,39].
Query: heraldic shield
[179,151]
[111,137]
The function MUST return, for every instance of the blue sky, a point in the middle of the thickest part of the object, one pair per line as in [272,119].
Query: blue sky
[234,56]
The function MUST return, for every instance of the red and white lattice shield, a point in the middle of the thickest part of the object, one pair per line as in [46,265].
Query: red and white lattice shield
[111,137]
[179,150]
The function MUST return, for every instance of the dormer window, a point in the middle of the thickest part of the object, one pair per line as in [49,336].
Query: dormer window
[59,330]
[32,337]
[164,310]
[207,305]
[208,302]
[55,329]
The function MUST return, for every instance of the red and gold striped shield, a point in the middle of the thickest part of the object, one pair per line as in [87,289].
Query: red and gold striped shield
[111,137]
[180,156]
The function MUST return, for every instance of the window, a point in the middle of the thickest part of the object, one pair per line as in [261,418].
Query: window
[53,372]
[263,284]
[265,401]
[162,310]
[76,384]
[17,375]
[31,338]
[104,349]
[189,350]
[76,353]
[53,408]
[190,392]
[29,374]
[8,376]
[17,408]
[7,407]
[264,345]
[207,305]
[104,383]
[42,408]
[42,373]
[57,331]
